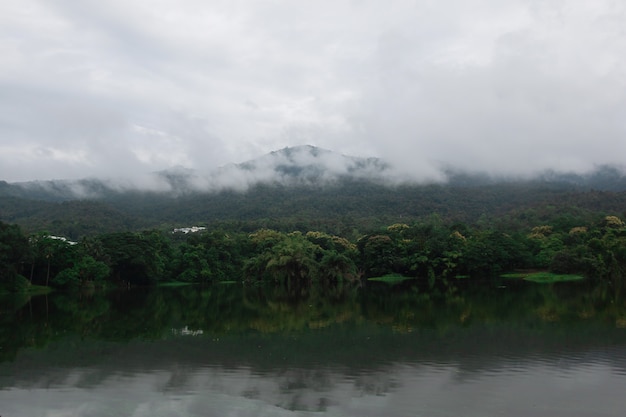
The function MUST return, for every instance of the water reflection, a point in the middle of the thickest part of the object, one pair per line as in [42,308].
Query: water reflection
[524,350]
[396,390]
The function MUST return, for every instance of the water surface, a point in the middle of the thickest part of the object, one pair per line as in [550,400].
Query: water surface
[518,350]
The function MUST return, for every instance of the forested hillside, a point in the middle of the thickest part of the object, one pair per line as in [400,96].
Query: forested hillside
[302,188]
[300,234]
[340,208]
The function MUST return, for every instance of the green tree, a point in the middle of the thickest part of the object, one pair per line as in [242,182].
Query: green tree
[296,260]
[85,271]
[211,256]
[379,255]
[48,256]
[338,267]
[13,252]
[490,253]
[137,258]
[193,265]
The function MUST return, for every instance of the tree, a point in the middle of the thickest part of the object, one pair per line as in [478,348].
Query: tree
[379,255]
[489,253]
[13,252]
[86,270]
[335,266]
[192,263]
[294,260]
[297,260]
[137,258]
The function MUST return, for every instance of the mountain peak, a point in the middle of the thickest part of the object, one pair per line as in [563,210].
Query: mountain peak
[300,150]
[310,165]
[314,150]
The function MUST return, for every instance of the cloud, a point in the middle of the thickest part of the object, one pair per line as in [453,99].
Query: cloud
[125,88]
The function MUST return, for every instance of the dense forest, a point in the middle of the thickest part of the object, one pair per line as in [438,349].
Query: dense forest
[319,233]
[345,208]
[434,250]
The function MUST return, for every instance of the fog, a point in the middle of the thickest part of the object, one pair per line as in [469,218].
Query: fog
[125,89]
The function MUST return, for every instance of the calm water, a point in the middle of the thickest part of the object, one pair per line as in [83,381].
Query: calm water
[519,350]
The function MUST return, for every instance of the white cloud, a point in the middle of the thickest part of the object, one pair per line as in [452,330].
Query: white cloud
[504,86]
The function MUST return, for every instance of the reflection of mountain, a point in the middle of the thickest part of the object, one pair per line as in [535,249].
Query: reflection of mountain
[158,379]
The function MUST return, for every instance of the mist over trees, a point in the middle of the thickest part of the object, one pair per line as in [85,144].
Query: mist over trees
[305,228]
[337,209]
[302,188]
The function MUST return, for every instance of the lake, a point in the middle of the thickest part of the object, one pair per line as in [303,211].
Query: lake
[505,348]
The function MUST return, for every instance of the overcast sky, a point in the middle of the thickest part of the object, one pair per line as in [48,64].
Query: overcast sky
[116,88]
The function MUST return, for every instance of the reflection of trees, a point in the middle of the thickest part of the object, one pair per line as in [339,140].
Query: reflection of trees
[223,310]
[274,310]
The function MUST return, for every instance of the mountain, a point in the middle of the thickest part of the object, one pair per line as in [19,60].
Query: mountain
[292,166]
[302,187]
[306,165]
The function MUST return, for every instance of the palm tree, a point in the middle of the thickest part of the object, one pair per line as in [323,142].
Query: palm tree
[294,260]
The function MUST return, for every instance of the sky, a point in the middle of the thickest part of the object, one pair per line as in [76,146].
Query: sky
[121,88]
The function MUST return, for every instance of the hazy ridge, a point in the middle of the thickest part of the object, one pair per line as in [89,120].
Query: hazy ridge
[299,187]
